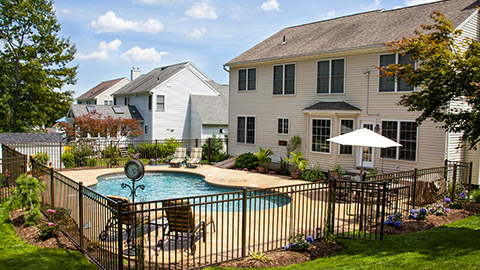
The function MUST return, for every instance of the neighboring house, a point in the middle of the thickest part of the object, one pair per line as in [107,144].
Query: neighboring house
[102,93]
[35,137]
[177,101]
[319,80]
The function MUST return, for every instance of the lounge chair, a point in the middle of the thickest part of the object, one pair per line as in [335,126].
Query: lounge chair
[182,221]
[179,156]
[195,157]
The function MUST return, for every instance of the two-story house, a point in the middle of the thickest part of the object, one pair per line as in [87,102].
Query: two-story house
[319,80]
[101,94]
[177,101]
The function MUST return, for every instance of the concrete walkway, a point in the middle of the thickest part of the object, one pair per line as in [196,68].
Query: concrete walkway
[213,175]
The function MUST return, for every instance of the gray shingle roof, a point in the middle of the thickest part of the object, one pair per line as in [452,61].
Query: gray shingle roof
[104,110]
[147,82]
[332,106]
[37,137]
[213,109]
[98,89]
[369,29]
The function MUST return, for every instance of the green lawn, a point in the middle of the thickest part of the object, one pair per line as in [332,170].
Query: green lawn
[455,246]
[17,254]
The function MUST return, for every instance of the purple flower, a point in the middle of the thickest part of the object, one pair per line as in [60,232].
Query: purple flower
[423,211]
[410,216]
[388,222]
[390,216]
[415,216]
[51,211]
[447,200]
[309,239]
[398,224]
[413,211]
[447,209]
[51,224]
[287,247]
[463,195]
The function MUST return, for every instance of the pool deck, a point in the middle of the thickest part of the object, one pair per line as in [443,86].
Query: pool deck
[213,175]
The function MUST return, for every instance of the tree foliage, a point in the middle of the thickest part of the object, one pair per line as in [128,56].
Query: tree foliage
[33,65]
[448,71]
[95,125]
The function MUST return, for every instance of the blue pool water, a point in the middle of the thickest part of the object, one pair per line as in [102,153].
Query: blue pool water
[172,185]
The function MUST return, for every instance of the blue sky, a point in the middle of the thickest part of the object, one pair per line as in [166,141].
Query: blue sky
[113,36]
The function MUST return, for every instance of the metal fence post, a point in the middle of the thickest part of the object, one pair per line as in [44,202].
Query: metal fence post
[156,149]
[414,192]
[244,223]
[120,236]
[80,215]
[196,142]
[60,157]
[209,140]
[454,182]
[384,198]
[334,191]
[445,171]
[470,178]
[52,189]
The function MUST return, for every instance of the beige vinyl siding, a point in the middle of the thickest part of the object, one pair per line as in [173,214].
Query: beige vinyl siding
[267,107]
[474,157]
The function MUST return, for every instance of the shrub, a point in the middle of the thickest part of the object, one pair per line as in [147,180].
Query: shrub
[298,243]
[339,169]
[80,154]
[258,256]
[216,147]
[111,155]
[68,160]
[91,162]
[475,194]
[313,175]
[419,214]
[5,178]
[246,160]
[438,210]
[48,230]
[26,195]
[94,245]
[42,158]
[395,220]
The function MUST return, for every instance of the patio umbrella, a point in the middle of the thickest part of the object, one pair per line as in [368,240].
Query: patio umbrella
[365,138]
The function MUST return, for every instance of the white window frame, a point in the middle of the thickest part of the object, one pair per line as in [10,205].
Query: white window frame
[330,76]
[283,127]
[397,155]
[311,135]
[164,103]
[396,81]
[283,80]
[246,86]
[340,133]
[246,123]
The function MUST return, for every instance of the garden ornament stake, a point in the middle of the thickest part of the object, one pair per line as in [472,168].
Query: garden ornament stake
[135,170]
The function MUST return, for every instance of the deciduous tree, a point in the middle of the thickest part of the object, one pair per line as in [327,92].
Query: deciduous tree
[33,65]
[447,70]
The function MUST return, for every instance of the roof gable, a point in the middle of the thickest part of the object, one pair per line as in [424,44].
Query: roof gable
[363,30]
[99,89]
[105,111]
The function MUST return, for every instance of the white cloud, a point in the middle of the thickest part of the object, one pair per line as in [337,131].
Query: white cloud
[66,11]
[161,2]
[197,33]
[270,5]
[103,53]
[202,10]
[417,2]
[137,54]
[329,15]
[111,23]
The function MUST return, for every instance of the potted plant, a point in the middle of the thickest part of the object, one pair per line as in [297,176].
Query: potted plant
[264,159]
[299,162]
[292,145]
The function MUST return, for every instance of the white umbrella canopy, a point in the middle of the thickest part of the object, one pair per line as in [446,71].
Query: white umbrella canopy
[364,137]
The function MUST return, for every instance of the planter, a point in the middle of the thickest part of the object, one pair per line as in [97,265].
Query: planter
[295,175]
[261,169]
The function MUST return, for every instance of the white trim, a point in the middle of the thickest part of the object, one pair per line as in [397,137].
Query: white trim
[331,112]
[283,79]
[330,76]
[340,133]
[311,135]
[398,139]
[255,129]
[395,85]
[246,86]
[289,125]
[467,20]
[164,103]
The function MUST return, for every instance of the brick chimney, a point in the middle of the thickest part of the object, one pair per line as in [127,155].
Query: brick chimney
[135,73]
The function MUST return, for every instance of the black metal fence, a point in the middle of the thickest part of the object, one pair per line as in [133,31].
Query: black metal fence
[12,165]
[106,153]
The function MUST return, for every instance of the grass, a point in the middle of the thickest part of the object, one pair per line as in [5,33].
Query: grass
[454,246]
[17,254]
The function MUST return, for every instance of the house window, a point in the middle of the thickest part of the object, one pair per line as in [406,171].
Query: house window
[126,101]
[283,125]
[389,83]
[247,79]
[146,129]
[331,76]
[114,101]
[160,103]
[321,132]
[150,102]
[79,102]
[107,102]
[403,132]
[246,129]
[346,126]
[284,79]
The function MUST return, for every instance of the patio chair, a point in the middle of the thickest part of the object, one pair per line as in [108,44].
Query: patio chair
[179,156]
[342,190]
[130,219]
[181,221]
[195,157]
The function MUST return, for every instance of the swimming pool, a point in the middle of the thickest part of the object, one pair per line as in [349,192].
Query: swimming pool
[172,185]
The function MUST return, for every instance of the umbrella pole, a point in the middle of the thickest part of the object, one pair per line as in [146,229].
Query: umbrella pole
[361,164]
